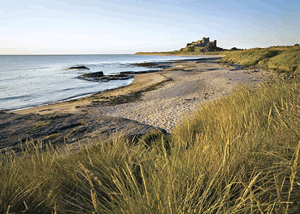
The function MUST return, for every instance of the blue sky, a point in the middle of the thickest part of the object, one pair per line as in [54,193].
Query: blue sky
[114,26]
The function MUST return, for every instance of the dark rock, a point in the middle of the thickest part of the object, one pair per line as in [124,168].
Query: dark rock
[78,67]
[116,77]
[145,64]
[139,72]
[60,129]
[161,65]
[98,77]
[93,75]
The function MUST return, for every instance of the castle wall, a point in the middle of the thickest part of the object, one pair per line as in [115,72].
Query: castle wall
[203,43]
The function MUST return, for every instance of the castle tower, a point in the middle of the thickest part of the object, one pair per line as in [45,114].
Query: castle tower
[215,43]
[205,41]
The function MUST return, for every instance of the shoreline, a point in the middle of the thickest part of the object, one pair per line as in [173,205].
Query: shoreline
[34,81]
[136,78]
[153,101]
[68,105]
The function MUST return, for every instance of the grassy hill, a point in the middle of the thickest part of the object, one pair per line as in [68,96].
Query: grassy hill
[281,58]
[186,51]
[239,154]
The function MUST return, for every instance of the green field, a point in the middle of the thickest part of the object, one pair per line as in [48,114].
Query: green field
[238,154]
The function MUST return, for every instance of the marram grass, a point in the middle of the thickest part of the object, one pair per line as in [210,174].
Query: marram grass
[239,154]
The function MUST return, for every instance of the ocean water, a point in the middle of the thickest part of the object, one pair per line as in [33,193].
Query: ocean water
[33,80]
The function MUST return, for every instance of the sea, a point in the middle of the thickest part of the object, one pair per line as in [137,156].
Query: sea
[33,80]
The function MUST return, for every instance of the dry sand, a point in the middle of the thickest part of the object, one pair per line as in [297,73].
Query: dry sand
[162,99]
[191,86]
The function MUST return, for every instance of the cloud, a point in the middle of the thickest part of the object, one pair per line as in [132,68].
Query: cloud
[35,7]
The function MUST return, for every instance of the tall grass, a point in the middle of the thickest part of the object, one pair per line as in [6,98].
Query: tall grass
[239,154]
[250,140]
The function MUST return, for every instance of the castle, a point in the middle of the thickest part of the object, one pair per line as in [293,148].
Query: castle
[203,43]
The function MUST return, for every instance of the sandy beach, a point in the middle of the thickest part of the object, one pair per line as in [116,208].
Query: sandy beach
[192,84]
[154,100]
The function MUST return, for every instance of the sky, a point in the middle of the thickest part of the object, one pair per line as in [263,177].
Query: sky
[129,26]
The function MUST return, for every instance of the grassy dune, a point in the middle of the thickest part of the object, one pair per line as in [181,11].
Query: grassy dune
[281,59]
[239,154]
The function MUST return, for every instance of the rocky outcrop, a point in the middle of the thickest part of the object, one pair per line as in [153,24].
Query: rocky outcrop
[116,77]
[99,77]
[93,75]
[161,65]
[139,72]
[78,68]
[60,128]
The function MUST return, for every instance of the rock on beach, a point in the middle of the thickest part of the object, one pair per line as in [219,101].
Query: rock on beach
[78,67]
[99,76]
